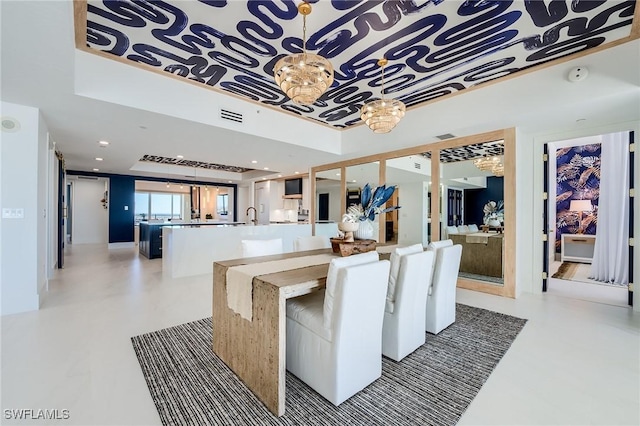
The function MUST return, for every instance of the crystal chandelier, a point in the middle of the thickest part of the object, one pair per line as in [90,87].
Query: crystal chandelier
[303,77]
[498,169]
[487,163]
[382,115]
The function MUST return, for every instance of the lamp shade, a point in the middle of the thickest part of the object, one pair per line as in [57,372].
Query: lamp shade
[580,206]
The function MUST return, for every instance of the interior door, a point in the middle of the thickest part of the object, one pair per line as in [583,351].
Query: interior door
[631,212]
[323,206]
[62,210]
[454,207]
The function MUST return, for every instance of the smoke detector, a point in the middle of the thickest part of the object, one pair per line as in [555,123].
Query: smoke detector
[577,74]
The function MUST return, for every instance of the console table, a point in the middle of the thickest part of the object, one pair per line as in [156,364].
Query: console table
[577,248]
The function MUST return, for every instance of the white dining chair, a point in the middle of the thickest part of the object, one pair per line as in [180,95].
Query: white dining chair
[334,337]
[463,229]
[441,296]
[452,230]
[314,242]
[403,329]
[473,228]
[253,248]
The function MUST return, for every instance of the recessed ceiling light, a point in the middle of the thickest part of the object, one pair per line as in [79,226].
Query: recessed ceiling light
[179,157]
[353,181]
[264,178]
[297,173]
[279,175]
[230,181]
[98,159]
[266,168]
[103,143]
[96,170]
[337,174]
[143,127]
[254,161]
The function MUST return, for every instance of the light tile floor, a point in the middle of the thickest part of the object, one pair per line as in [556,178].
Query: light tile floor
[575,362]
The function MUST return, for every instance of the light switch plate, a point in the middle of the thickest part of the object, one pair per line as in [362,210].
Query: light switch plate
[12,213]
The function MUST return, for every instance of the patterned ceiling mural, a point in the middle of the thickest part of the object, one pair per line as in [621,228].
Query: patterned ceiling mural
[192,163]
[469,152]
[435,48]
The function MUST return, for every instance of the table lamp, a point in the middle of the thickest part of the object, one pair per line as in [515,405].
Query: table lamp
[580,206]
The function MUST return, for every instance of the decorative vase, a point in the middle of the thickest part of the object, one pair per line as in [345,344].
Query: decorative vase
[364,231]
[494,222]
[348,228]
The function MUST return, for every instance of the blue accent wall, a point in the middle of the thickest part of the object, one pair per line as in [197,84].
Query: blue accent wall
[475,199]
[121,193]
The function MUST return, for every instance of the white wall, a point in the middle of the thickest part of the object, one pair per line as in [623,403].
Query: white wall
[412,216]
[24,182]
[90,219]
[528,237]
[243,203]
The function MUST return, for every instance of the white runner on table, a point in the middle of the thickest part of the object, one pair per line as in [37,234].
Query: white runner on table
[240,279]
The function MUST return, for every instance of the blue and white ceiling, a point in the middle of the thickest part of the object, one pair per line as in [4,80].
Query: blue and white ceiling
[435,48]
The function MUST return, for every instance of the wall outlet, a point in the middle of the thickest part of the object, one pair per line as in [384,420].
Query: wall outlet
[126,207]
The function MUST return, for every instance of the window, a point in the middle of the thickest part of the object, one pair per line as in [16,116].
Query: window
[158,205]
[221,204]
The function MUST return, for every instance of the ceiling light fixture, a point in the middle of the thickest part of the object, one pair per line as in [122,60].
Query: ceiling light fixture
[103,143]
[382,115]
[96,170]
[98,159]
[487,163]
[498,169]
[179,157]
[254,161]
[303,77]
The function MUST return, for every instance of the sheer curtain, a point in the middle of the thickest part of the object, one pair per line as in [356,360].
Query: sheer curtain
[611,252]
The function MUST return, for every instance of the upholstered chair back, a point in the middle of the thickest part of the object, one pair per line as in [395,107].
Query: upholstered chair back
[473,228]
[332,279]
[314,242]
[441,298]
[463,229]
[339,362]
[403,330]
[253,248]
[452,230]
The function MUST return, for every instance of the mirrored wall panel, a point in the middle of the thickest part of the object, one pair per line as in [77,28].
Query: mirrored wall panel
[356,178]
[472,205]
[411,223]
[328,193]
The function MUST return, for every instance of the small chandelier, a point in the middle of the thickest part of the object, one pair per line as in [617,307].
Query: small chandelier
[487,163]
[303,77]
[382,115]
[498,169]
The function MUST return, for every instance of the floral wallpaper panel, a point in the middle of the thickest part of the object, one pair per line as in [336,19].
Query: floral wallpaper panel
[577,178]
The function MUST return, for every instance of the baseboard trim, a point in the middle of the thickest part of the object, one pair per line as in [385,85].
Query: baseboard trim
[127,244]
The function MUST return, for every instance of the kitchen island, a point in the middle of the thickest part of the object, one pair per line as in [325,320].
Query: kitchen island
[191,249]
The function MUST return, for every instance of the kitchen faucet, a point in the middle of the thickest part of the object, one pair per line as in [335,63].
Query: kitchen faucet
[255,214]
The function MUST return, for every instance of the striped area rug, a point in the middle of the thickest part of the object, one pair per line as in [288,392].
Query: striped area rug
[432,386]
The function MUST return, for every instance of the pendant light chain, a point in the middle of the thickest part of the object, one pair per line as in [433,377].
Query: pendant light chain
[382,88]
[304,34]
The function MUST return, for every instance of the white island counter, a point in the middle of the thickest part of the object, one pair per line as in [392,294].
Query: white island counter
[191,250]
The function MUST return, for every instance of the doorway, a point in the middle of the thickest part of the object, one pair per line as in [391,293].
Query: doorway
[588,218]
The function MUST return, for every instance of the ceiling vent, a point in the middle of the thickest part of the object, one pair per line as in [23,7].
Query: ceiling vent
[445,136]
[225,114]
[417,166]
[88,177]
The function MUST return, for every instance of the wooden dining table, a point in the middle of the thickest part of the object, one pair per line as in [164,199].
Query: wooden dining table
[255,350]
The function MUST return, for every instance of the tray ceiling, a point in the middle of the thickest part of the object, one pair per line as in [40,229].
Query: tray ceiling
[435,48]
